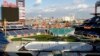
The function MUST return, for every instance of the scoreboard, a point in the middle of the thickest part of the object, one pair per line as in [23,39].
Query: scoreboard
[11,14]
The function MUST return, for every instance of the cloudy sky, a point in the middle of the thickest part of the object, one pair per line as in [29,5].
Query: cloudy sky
[58,8]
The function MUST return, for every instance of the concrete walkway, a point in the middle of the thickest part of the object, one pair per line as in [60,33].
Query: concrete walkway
[14,46]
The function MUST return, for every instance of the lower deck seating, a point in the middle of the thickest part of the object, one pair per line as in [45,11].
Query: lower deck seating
[24,32]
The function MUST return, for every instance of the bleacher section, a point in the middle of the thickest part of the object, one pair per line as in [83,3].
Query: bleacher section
[27,30]
[60,31]
[23,31]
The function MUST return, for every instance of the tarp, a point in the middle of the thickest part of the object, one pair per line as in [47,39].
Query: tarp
[3,39]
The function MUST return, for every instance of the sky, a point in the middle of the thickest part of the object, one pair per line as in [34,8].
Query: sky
[58,8]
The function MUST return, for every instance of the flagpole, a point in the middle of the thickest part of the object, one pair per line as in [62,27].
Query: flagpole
[5,27]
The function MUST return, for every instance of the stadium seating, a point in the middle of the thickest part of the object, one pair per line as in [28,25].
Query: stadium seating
[87,21]
[12,33]
[27,26]
[60,31]
[26,30]
[89,27]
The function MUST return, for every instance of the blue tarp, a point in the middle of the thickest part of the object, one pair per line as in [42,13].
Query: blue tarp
[3,39]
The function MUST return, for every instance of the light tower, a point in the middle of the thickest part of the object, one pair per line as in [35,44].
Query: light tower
[96,8]
[21,5]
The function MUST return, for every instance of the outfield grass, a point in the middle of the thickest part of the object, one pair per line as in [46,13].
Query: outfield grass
[47,38]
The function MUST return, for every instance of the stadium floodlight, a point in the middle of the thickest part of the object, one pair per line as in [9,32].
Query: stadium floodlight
[97,3]
[96,8]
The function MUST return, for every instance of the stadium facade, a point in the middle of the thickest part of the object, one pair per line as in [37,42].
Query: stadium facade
[21,6]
